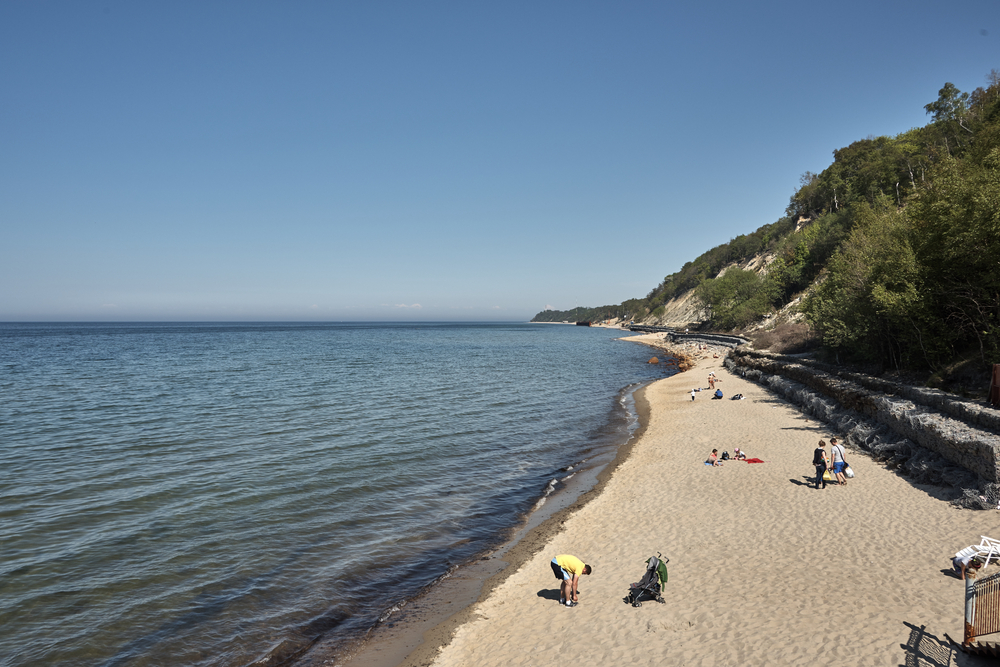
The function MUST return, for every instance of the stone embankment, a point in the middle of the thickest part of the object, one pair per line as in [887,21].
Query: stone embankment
[933,437]
[679,338]
[719,340]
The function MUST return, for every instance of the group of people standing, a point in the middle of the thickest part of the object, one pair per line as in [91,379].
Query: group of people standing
[823,463]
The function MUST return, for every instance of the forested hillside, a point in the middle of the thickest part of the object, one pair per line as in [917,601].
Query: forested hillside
[895,248]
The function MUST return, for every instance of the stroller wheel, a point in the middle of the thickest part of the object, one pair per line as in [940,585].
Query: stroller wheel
[661,600]
[637,604]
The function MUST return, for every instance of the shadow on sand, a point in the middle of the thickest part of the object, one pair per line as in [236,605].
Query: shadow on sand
[549,594]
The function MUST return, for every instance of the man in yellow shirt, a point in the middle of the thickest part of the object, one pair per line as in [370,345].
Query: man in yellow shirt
[568,570]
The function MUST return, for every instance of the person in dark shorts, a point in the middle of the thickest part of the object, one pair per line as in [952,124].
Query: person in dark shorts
[568,570]
[821,462]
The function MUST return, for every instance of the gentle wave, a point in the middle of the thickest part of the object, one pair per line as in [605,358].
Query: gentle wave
[216,494]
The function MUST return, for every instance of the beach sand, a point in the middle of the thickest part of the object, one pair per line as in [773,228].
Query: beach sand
[764,569]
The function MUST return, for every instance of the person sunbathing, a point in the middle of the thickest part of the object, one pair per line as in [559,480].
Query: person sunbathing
[713,459]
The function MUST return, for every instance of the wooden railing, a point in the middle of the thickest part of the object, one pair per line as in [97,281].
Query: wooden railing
[982,611]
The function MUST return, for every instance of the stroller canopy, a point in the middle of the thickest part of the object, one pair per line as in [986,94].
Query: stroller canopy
[656,565]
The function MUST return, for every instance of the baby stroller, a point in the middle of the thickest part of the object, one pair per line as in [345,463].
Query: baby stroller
[651,583]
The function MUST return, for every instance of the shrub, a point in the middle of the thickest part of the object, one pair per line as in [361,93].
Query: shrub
[787,338]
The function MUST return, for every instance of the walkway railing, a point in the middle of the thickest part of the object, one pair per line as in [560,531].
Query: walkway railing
[982,607]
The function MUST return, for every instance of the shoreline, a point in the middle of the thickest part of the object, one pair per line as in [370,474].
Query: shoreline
[764,568]
[687,354]
[529,545]
[427,626]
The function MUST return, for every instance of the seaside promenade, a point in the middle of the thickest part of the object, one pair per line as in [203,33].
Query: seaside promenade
[764,568]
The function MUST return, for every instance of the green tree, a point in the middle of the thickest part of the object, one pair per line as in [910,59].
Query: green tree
[869,306]
[951,104]
[736,299]
[951,119]
[957,239]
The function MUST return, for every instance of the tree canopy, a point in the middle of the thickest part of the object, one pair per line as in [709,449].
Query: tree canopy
[896,246]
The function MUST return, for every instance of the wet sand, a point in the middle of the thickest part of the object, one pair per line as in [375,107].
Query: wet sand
[414,635]
[764,568]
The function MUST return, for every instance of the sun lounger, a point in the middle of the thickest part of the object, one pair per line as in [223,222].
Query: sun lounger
[968,551]
[988,549]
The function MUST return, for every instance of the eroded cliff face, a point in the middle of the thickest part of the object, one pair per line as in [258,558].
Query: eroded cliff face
[680,312]
[686,310]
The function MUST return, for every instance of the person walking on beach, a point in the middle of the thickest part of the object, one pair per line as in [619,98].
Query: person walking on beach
[839,461]
[568,570]
[692,394]
[821,462]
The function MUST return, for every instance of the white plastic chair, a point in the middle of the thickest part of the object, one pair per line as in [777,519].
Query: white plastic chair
[988,548]
[968,551]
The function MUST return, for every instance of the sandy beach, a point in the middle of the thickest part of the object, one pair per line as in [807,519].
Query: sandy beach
[764,568]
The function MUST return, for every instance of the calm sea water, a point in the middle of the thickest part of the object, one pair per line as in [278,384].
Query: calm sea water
[221,494]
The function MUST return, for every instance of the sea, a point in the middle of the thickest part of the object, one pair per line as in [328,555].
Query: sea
[226,493]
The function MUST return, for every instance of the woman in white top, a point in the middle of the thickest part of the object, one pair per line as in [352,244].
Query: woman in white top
[837,454]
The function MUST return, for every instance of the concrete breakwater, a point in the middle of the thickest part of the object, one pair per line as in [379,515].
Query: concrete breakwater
[933,437]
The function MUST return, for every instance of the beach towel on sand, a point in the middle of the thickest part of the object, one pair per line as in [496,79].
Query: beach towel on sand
[754,461]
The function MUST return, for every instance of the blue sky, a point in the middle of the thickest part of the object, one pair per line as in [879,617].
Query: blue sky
[427,160]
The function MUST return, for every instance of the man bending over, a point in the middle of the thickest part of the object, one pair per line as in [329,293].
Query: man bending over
[568,570]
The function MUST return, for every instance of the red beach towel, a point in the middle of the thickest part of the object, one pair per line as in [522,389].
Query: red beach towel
[755,461]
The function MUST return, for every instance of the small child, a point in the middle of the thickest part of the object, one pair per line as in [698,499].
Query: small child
[739,456]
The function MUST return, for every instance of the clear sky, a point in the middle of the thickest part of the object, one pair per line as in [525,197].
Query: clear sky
[428,160]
